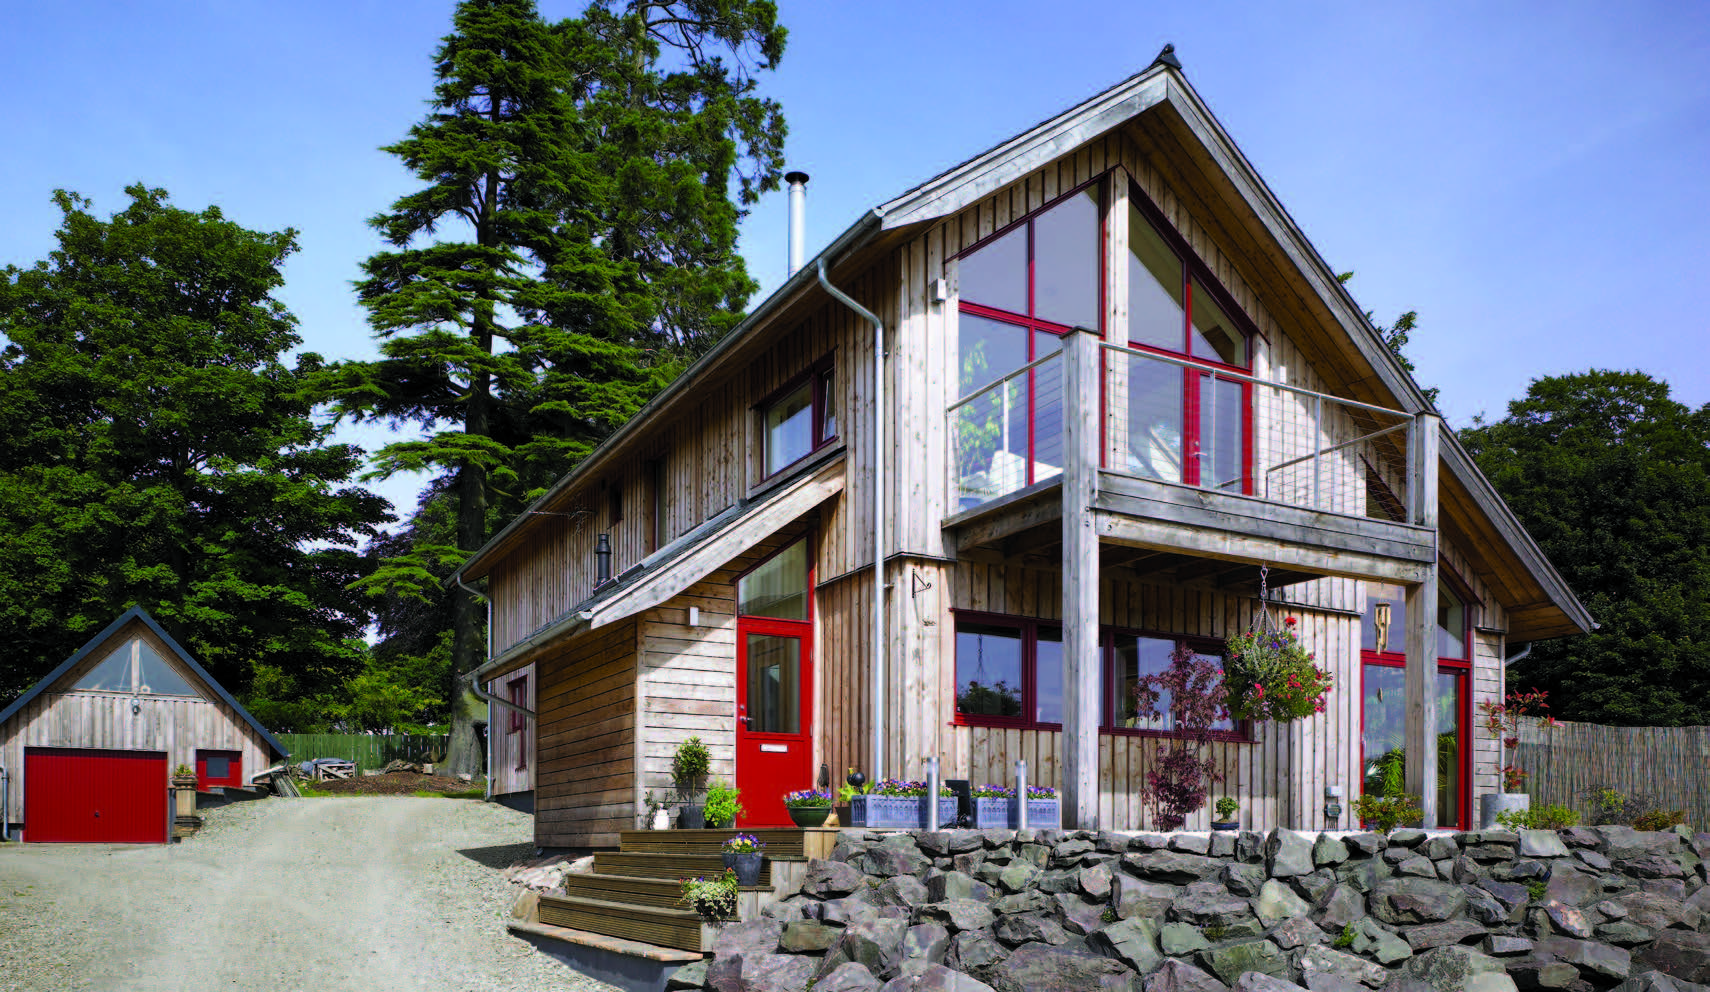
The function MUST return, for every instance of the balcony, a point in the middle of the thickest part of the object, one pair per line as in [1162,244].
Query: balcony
[1202,473]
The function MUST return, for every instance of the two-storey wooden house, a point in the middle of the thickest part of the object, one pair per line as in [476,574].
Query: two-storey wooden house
[986,460]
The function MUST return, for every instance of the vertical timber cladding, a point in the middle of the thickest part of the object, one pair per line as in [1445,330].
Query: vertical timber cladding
[584,787]
[1278,776]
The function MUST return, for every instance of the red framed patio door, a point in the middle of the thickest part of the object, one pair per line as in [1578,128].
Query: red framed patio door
[774,716]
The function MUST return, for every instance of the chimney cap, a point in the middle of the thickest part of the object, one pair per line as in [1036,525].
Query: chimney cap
[797,176]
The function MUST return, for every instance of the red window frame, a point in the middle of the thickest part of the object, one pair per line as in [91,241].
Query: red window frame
[519,720]
[1463,711]
[1196,271]
[818,375]
[1029,628]
[1029,321]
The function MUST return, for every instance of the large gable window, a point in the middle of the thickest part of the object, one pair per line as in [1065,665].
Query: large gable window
[135,667]
[1020,290]
[1186,422]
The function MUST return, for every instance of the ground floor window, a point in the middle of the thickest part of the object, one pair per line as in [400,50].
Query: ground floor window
[1384,733]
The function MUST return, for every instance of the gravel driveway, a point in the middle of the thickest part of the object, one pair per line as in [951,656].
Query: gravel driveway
[317,895]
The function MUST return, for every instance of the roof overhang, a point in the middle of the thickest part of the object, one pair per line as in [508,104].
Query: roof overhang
[684,562]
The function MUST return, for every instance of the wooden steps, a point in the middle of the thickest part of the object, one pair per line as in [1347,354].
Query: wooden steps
[781,842]
[662,927]
[675,867]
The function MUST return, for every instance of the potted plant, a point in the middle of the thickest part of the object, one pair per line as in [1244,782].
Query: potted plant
[900,804]
[808,807]
[1385,813]
[855,785]
[992,806]
[1181,773]
[1502,721]
[713,898]
[1270,675]
[743,854]
[1227,807]
[184,777]
[689,766]
[723,806]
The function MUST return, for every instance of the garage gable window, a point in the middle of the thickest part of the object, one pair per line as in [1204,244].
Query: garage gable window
[135,667]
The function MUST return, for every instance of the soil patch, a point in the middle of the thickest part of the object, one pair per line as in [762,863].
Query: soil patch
[393,784]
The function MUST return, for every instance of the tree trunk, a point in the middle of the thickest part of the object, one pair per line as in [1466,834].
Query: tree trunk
[468,622]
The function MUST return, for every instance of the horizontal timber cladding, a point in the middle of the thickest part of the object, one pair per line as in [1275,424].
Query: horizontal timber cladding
[176,725]
[692,464]
[1278,777]
[585,750]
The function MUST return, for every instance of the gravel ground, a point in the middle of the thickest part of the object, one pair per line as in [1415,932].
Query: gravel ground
[316,895]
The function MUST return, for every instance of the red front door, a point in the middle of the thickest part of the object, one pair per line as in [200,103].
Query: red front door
[774,714]
[82,795]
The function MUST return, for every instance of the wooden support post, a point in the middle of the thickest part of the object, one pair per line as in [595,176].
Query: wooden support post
[1080,580]
[1421,620]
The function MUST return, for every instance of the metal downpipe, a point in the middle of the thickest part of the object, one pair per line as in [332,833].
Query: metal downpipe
[878,516]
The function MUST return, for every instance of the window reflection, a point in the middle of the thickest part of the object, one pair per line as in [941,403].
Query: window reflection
[988,670]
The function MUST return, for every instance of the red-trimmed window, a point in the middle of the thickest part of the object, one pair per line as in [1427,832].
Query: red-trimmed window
[1020,290]
[1383,711]
[1009,673]
[798,419]
[519,720]
[1185,424]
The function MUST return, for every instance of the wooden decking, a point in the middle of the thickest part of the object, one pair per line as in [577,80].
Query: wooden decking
[634,892]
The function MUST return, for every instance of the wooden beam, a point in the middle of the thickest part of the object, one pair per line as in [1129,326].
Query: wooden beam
[1421,673]
[1080,581]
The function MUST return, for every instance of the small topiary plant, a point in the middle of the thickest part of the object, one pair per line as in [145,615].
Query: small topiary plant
[689,766]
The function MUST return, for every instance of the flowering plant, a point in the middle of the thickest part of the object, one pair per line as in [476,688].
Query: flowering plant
[1502,720]
[713,898]
[807,797]
[1271,676]
[1041,792]
[990,791]
[743,844]
[905,789]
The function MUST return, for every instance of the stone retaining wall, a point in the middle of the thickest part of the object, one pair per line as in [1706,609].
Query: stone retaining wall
[1065,911]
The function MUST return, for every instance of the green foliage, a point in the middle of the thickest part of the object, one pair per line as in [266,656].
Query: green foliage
[714,898]
[1345,939]
[1551,817]
[1608,806]
[1270,675]
[1660,819]
[1387,812]
[689,766]
[1536,889]
[1611,476]
[723,805]
[155,449]
[1227,807]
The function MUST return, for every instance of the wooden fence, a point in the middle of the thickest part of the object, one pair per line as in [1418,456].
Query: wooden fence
[367,750]
[1668,766]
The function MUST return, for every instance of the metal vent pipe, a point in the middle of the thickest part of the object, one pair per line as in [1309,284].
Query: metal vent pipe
[602,561]
[798,217]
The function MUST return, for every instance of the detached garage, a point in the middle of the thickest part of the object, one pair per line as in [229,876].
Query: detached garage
[86,755]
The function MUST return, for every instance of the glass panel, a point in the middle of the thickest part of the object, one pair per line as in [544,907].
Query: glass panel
[156,676]
[1154,420]
[773,681]
[113,674]
[828,401]
[789,428]
[1221,434]
[1137,657]
[1451,624]
[1448,748]
[988,350]
[1385,619]
[988,670]
[996,275]
[1385,730]
[1065,262]
[1048,676]
[1047,407]
[778,588]
[217,767]
[1155,308]
[1214,334]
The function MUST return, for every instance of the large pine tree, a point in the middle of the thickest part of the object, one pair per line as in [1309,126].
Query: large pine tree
[156,450]
[573,244]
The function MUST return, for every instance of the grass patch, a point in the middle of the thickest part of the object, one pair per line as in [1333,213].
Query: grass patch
[310,792]
[456,794]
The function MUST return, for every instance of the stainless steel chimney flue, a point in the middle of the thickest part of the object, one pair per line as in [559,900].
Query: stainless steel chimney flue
[798,217]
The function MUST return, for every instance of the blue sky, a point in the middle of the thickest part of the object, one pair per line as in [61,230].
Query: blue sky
[1534,179]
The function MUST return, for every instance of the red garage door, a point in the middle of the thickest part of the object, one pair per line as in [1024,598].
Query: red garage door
[80,795]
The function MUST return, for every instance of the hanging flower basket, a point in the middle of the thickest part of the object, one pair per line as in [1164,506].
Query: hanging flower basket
[1271,676]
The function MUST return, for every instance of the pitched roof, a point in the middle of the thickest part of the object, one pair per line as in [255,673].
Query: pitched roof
[138,613]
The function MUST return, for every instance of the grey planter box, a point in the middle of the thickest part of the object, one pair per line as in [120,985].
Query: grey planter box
[1004,814]
[899,812]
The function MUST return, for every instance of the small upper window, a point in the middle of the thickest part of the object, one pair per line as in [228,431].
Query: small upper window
[799,420]
[136,667]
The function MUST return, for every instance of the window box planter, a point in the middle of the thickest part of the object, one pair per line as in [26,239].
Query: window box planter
[899,812]
[1004,814]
